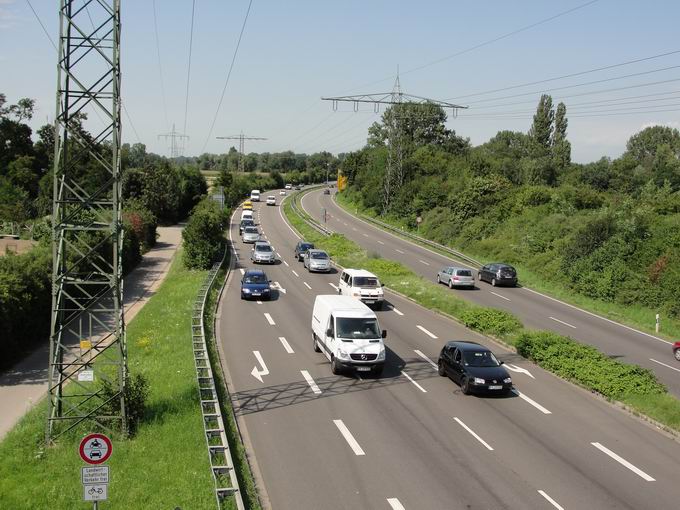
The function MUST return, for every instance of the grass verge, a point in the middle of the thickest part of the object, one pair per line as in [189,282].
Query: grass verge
[566,359]
[634,316]
[166,464]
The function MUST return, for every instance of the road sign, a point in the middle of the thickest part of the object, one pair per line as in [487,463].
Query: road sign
[95,448]
[86,375]
[99,492]
[96,475]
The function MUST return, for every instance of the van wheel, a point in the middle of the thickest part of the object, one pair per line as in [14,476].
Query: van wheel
[316,344]
[440,369]
[493,282]
[335,366]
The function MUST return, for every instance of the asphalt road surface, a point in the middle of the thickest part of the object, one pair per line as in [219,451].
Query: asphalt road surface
[536,310]
[409,439]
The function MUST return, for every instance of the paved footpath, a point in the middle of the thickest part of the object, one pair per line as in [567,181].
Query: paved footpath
[26,383]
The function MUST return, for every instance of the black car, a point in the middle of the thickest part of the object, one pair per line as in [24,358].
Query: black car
[498,274]
[255,284]
[245,223]
[326,191]
[301,247]
[474,367]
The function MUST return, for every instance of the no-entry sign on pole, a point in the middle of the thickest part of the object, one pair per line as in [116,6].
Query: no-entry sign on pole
[95,448]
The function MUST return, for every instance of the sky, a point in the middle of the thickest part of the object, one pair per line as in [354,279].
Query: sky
[294,52]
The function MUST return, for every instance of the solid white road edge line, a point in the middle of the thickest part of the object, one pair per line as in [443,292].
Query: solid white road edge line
[269,319]
[562,322]
[395,504]
[624,462]
[349,437]
[307,285]
[286,345]
[295,273]
[668,366]
[431,335]
[411,379]
[498,295]
[550,500]
[334,286]
[530,401]
[286,223]
[599,316]
[488,447]
[425,358]
[311,382]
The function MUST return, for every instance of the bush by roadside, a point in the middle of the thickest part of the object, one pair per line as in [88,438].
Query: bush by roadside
[204,235]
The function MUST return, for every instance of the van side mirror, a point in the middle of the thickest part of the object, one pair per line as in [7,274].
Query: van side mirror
[329,332]
[384,333]
[382,284]
[501,362]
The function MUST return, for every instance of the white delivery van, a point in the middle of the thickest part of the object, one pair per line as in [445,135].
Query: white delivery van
[246,213]
[255,195]
[363,285]
[348,333]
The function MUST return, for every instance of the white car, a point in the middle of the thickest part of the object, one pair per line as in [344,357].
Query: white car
[282,192]
[362,285]
[289,186]
[271,200]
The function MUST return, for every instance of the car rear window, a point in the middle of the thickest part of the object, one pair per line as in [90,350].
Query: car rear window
[263,247]
[319,255]
[464,272]
[255,278]
[306,246]
[508,270]
[365,281]
[251,230]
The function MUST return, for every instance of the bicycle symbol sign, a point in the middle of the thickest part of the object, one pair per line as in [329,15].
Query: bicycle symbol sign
[95,448]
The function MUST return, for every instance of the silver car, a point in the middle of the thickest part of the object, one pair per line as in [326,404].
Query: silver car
[456,277]
[317,260]
[251,235]
[263,253]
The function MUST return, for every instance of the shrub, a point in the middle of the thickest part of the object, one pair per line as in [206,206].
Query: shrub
[490,320]
[142,221]
[586,365]
[135,395]
[204,235]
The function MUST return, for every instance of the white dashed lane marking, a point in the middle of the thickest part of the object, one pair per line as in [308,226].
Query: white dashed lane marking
[354,445]
[428,333]
[624,462]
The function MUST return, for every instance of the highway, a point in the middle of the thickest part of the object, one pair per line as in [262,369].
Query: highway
[535,310]
[410,439]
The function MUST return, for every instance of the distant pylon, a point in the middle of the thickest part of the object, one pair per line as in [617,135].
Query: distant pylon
[241,147]
[176,149]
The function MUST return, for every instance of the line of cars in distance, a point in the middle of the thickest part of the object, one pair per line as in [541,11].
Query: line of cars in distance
[462,277]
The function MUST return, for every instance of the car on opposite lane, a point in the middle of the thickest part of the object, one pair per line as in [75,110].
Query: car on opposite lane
[282,192]
[251,235]
[263,253]
[498,274]
[300,248]
[255,284]
[326,191]
[474,368]
[317,260]
[456,277]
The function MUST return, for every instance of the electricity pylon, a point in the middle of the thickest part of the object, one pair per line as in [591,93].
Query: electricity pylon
[87,341]
[394,173]
[241,147]
[176,150]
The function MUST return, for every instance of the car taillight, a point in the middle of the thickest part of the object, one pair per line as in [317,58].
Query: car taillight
[455,278]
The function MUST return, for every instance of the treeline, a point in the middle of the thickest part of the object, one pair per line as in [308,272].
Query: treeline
[608,230]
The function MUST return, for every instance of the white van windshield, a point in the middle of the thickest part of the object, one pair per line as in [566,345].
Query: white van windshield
[357,328]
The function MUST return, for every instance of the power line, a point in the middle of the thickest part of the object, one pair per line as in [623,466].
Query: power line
[42,25]
[580,73]
[130,121]
[226,82]
[160,67]
[191,43]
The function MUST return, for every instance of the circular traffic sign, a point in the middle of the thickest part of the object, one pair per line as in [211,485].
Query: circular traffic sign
[95,448]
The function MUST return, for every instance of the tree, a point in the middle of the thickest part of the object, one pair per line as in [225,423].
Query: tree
[542,127]
[561,147]
[643,145]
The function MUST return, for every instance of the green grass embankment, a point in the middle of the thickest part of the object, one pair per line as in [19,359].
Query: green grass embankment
[584,365]
[165,465]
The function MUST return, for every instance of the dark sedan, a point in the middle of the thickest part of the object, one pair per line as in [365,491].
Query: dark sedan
[247,222]
[498,274]
[301,247]
[474,367]
[255,284]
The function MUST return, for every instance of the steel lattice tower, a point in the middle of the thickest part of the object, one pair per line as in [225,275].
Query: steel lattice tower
[394,173]
[241,147]
[87,235]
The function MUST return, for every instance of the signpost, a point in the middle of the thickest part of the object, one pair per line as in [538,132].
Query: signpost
[95,449]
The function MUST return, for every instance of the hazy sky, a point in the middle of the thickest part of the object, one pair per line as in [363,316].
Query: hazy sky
[294,51]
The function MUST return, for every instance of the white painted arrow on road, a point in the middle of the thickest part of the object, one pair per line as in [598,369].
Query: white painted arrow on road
[515,368]
[278,287]
[257,374]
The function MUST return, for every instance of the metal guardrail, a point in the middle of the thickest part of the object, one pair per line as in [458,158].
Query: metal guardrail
[219,452]
[420,239]
[310,221]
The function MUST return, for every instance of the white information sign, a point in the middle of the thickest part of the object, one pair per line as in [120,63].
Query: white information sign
[99,492]
[86,376]
[95,475]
